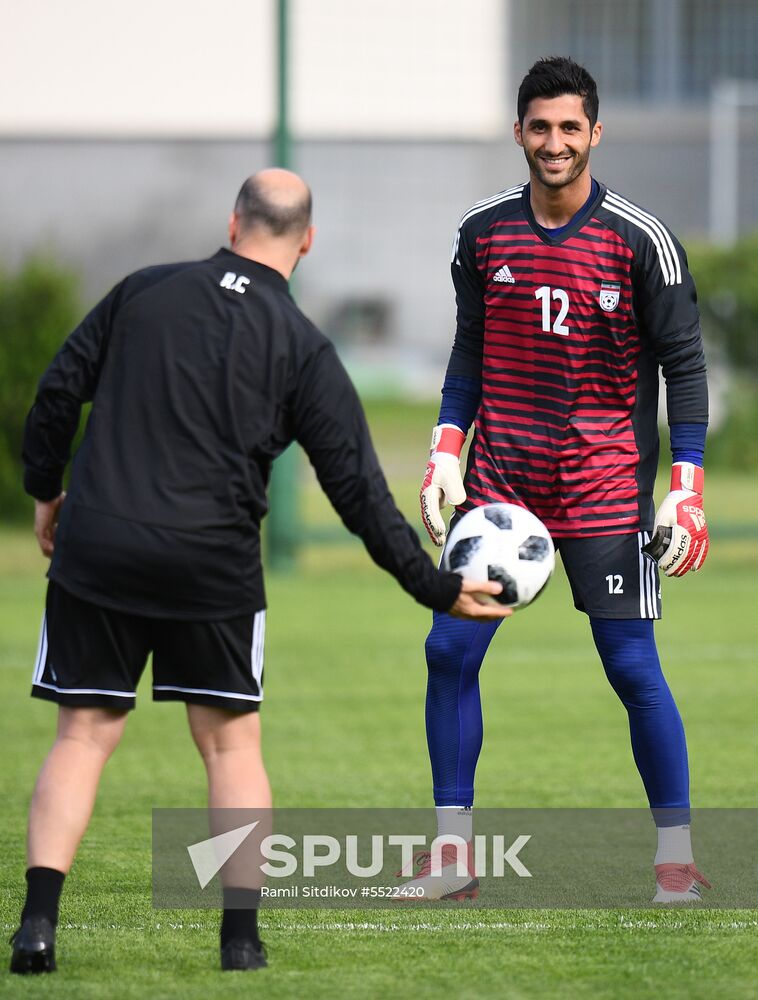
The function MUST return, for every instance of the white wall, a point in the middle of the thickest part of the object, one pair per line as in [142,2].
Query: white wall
[419,68]
[191,68]
[160,68]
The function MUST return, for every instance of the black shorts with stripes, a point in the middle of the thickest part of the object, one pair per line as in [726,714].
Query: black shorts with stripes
[610,576]
[92,656]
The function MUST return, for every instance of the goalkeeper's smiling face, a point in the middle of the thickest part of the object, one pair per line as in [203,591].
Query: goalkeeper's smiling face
[557,137]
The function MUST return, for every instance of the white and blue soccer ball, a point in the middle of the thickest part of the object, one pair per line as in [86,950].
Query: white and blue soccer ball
[506,543]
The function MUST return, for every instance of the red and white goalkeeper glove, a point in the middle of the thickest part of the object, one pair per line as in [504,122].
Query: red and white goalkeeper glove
[680,536]
[442,481]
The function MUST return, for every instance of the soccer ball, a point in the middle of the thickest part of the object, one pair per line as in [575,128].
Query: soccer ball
[503,542]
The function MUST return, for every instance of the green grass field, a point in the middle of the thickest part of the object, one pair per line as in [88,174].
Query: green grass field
[343,724]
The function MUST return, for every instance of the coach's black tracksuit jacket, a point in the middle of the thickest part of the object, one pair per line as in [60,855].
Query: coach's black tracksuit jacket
[200,374]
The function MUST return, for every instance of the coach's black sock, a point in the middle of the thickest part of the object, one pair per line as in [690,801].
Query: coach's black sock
[43,893]
[240,919]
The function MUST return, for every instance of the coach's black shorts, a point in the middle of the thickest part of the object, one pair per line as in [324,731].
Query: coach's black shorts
[93,656]
[610,576]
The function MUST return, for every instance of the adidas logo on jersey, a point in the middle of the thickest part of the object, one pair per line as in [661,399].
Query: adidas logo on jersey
[504,276]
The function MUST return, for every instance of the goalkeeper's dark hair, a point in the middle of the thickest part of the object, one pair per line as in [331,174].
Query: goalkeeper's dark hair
[257,209]
[554,77]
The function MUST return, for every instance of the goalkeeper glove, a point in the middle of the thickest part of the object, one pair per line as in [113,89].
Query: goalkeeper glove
[442,481]
[680,536]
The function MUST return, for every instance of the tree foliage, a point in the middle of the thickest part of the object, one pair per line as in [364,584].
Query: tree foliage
[39,306]
[727,284]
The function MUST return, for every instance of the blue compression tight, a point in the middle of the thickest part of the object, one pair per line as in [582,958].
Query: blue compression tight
[455,650]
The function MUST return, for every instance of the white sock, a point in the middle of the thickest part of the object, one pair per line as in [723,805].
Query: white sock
[456,821]
[674,846]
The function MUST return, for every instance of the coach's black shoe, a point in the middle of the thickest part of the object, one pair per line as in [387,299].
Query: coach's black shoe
[34,947]
[241,953]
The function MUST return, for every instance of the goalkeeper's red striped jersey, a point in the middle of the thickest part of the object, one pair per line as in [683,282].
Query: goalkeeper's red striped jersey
[567,336]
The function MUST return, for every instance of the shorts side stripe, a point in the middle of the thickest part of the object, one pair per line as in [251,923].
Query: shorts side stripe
[649,604]
[649,586]
[640,539]
[39,663]
[220,694]
[256,651]
[654,591]
[60,690]
[648,591]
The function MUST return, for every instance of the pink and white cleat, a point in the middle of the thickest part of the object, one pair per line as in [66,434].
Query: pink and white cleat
[678,884]
[444,884]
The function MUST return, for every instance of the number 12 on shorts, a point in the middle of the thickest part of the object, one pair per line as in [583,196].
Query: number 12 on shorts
[615,583]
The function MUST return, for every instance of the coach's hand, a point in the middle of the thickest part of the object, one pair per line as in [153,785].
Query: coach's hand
[442,481]
[680,537]
[467,606]
[46,521]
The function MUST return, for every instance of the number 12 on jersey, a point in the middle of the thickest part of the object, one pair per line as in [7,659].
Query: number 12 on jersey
[545,294]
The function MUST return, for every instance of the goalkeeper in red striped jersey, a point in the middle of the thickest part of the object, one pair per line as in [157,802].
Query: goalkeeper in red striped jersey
[570,298]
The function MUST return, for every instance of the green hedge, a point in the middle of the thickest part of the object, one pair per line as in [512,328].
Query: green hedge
[39,306]
[727,284]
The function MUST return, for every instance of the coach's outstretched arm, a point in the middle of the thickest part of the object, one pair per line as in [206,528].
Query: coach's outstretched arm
[330,424]
[467,606]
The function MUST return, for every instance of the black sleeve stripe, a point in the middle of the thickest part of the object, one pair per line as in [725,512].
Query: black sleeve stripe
[667,253]
[510,194]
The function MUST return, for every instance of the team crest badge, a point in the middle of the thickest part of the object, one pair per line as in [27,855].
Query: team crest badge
[610,292]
